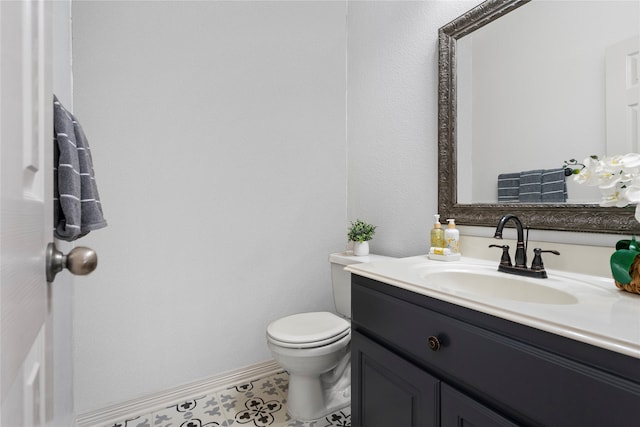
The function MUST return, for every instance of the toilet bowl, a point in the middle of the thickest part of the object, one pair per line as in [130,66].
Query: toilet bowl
[308,360]
[314,349]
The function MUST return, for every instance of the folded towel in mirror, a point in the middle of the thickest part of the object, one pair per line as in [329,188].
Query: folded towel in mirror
[553,186]
[530,186]
[533,186]
[508,187]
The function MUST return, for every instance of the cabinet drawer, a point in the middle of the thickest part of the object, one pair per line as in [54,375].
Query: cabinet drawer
[527,383]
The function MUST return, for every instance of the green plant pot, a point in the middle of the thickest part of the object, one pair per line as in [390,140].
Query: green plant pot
[622,260]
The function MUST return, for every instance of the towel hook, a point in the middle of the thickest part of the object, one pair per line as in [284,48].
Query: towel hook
[79,261]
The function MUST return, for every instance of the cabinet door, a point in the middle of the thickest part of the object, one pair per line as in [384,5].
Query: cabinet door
[389,391]
[459,410]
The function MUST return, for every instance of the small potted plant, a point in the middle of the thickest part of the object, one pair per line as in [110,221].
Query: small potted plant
[360,233]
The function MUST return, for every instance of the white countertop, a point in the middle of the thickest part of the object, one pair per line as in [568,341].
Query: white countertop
[600,315]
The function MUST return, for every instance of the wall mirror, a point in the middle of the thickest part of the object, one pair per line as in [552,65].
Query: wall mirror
[523,86]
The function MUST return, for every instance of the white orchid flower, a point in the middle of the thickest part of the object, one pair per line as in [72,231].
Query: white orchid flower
[609,171]
[613,197]
[608,179]
[589,174]
[630,161]
[632,193]
[612,162]
[617,177]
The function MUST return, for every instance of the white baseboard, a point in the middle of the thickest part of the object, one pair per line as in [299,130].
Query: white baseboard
[156,401]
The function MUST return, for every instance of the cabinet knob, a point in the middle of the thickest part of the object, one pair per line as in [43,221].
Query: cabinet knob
[434,343]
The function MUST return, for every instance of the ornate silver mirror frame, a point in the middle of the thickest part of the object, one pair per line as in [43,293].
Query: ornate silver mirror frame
[566,217]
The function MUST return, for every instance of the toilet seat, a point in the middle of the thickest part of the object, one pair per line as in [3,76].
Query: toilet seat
[308,330]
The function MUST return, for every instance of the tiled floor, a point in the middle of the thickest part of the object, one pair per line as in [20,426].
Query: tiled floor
[259,403]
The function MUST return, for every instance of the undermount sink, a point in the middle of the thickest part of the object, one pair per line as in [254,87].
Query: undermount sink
[482,281]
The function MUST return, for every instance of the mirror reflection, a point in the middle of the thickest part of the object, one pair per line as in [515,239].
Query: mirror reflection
[547,82]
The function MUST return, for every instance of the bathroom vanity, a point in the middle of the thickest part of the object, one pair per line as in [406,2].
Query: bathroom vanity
[424,354]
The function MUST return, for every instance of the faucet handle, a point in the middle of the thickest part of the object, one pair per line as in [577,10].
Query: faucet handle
[537,264]
[506,258]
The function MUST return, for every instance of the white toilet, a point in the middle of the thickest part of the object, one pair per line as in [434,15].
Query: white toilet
[314,348]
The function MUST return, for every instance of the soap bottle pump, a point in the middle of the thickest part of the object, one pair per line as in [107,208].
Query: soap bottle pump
[452,237]
[437,234]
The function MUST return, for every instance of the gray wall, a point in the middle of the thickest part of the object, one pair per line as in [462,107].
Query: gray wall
[222,133]
[392,118]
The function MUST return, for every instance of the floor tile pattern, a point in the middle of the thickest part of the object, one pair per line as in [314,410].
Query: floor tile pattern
[258,403]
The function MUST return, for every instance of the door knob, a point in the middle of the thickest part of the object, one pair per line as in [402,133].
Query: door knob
[79,261]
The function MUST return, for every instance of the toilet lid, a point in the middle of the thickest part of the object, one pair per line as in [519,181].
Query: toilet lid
[308,329]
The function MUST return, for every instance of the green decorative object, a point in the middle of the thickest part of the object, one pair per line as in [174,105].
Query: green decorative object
[622,260]
[360,231]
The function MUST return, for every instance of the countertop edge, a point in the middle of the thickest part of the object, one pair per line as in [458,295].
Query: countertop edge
[581,335]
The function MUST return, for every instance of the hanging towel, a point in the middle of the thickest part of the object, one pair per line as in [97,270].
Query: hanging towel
[554,186]
[530,186]
[508,187]
[77,209]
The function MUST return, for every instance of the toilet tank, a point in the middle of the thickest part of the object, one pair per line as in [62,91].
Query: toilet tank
[341,279]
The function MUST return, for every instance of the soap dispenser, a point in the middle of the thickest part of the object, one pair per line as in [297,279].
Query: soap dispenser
[437,234]
[452,237]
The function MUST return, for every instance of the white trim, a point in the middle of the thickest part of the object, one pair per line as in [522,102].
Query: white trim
[160,400]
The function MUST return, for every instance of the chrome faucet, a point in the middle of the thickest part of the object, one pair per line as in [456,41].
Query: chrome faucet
[520,267]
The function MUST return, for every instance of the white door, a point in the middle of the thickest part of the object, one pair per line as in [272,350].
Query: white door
[623,96]
[25,208]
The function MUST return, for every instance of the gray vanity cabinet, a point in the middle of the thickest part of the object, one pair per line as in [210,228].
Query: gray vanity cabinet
[419,361]
[393,392]
[458,410]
